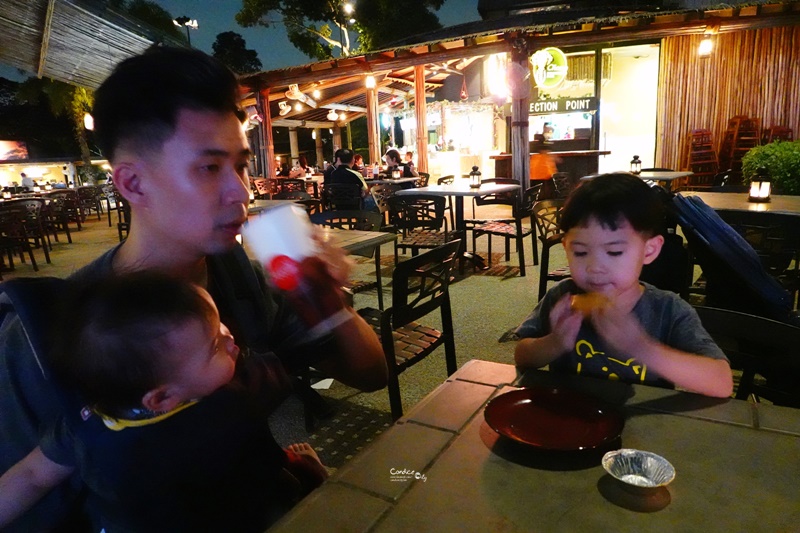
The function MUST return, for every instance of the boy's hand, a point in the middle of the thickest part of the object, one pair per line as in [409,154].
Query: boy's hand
[565,323]
[620,329]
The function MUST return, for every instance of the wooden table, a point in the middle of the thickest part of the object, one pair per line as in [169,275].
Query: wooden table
[363,243]
[459,189]
[390,180]
[441,468]
[731,201]
[669,179]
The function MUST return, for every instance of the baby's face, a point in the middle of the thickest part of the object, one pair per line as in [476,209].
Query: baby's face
[609,261]
[205,354]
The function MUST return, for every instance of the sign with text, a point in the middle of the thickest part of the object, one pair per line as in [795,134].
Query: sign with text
[563,105]
[549,67]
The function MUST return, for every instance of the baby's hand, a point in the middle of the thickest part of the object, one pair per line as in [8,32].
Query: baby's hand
[565,323]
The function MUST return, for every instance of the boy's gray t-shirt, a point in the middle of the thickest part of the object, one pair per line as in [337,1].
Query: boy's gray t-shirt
[663,315]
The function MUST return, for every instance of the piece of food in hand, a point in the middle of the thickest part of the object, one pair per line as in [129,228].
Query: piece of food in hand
[587,303]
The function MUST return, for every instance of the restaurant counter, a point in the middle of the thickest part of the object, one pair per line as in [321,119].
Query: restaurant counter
[577,163]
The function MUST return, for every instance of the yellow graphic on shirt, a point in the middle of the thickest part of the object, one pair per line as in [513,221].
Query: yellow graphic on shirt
[585,349]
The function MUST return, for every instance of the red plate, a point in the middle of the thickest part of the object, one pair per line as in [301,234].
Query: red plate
[554,419]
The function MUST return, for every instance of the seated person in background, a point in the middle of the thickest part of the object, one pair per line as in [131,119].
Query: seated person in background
[284,171]
[358,164]
[393,161]
[636,333]
[301,169]
[173,435]
[409,159]
[345,174]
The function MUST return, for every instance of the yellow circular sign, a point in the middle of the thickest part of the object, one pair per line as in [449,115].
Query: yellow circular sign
[549,67]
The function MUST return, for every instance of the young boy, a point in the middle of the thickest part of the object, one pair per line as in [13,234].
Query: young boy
[638,334]
[174,434]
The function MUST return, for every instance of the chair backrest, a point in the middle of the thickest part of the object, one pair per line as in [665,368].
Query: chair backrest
[420,284]
[342,197]
[445,180]
[292,195]
[758,345]
[291,185]
[262,187]
[381,192]
[424,177]
[499,198]
[529,199]
[88,193]
[547,214]
[417,212]
[358,220]
[563,183]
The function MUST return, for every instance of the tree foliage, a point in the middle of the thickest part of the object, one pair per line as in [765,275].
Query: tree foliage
[151,13]
[320,28]
[231,49]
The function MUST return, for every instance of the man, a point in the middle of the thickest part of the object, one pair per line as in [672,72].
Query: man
[410,159]
[343,173]
[169,123]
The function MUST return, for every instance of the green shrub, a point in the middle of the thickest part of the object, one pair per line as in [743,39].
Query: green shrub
[781,159]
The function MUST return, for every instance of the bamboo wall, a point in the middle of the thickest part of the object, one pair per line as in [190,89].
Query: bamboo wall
[754,73]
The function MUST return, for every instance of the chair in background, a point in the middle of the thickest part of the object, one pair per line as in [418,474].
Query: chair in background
[380,193]
[71,205]
[57,218]
[107,194]
[262,189]
[448,180]
[563,184]
[766,351]
[512,228]
[342,197]
[547,215]
[35,225]
[13,235]
[424,177]
[290,185]
[419,221]
[123,216]
[419,287]
[777,133]
[89,198]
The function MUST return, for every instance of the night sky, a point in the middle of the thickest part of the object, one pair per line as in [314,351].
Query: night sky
[273,47]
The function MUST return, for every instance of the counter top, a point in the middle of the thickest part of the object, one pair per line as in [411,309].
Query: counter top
[570,153]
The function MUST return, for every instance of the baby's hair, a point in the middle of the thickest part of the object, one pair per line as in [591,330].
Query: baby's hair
[114,346]
[610,198]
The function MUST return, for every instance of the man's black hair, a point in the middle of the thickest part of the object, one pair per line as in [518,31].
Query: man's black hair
[345,156]
[610,198]
[140,101]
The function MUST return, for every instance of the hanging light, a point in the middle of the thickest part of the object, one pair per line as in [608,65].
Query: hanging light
[332,116]
[88,121]
[316,94]
[285,108]
[294,93]
[298,106]
[760,186]
[342,116]
[370,82]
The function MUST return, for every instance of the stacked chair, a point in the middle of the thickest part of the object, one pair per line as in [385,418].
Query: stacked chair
[742,134]
[701,159]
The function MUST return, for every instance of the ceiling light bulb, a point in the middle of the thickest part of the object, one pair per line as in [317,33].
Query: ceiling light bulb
[316,94]
[370,82]
[88,121]
[342,116]
[298,106]
[348,8]
[706,45]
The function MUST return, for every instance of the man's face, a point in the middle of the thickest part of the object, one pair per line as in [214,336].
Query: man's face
[196,187]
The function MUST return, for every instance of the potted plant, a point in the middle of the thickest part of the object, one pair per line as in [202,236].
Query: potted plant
[782,161]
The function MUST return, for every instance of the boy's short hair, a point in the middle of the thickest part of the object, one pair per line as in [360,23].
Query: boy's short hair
[611,197]
[114,347]
[140,101]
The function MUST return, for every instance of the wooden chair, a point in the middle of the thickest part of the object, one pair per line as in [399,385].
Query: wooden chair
[547,215]
[420,222]
[512,228]
[419,287]
[262,189]
[288,185]
[766,351]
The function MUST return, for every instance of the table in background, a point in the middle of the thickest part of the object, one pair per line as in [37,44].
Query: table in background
[735,201]
[371,181]
[736,467]
[669,179]
[261,205]
[459,189]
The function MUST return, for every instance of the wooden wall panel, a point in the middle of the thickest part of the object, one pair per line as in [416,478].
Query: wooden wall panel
[754,73]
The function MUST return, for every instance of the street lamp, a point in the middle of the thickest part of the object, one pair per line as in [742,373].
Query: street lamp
[187,23]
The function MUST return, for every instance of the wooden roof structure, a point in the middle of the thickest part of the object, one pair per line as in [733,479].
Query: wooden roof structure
[74,41]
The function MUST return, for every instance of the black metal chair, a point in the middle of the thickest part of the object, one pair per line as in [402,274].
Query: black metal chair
[342,197]
[511,228]
[547,215]
[14,237]
[419,287]
[89,198]
[766,351]
[419,221]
